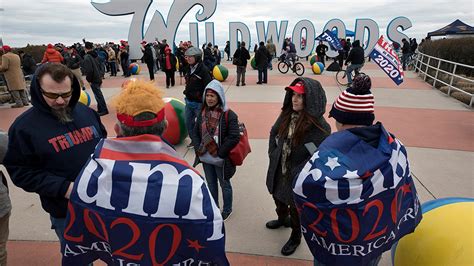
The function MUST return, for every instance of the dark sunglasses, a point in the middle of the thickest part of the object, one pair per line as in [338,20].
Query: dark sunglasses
[54,96]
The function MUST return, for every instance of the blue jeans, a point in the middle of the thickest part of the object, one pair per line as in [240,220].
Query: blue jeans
[349,70]
[373,262]
[191,111]
[262,75]
[214,173]
[59,225]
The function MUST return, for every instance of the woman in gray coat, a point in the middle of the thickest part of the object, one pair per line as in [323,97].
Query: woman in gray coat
[294,137]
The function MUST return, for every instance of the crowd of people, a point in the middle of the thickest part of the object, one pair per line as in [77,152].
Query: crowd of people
[72,142]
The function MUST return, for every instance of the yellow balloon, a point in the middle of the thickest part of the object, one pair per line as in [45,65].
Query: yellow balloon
[445,236]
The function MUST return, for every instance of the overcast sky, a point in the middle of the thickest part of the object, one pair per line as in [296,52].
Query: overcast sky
[68,21]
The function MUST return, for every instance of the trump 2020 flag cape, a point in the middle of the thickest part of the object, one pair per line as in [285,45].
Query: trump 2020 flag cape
[386,58]
[356,200]
[136,202]
[330,38]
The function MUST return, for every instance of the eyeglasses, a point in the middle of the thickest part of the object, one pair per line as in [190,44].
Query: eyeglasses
[54,96]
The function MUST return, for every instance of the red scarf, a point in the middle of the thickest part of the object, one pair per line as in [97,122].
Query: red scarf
[209,129]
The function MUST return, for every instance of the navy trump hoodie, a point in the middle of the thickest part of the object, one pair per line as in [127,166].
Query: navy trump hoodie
[44,156]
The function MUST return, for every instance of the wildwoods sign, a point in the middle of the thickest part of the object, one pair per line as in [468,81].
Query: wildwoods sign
[238,31]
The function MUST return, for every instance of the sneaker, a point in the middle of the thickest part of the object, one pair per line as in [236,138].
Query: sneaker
[17,106]
[237,84]
[243,84]
[226,215]
[259,82]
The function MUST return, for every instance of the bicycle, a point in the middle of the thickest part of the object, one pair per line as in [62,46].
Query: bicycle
[284,65]
[341,77]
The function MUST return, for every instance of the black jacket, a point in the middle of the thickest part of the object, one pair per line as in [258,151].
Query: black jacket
[321,49]
[314,93]
[356,54]
[172,61]
[196,82]
[406,49]
[148,54]
[28,64]
[243,55]
[44,156]
[90,68]
[229,134]
[73,61]
[262,57]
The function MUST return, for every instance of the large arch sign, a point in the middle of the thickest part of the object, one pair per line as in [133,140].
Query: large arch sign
[366,29]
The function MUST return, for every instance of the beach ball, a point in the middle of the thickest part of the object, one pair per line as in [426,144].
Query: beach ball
[176,131]
[443,237]
[127,81]
[253,63]
[313,59]
[220,72]
[318,68]
[134,68]
[85,98]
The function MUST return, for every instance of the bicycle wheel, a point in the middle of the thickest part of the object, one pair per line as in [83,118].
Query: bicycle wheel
[283,67]
[298,69]
[341,77]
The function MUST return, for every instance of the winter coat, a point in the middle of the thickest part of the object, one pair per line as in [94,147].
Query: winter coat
[196,82]
[90,68]
[356,54]
[28,64]
[11,68]
[315,106]
[271,48]
[406,49]
[243,54]
[5,206]
[148,54]
[229,134]
[172,61]
[262,57]
[111,55]
[73,61]
[52,56]
[46,161]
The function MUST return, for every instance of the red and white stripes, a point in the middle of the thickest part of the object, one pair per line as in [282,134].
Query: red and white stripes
[348,102]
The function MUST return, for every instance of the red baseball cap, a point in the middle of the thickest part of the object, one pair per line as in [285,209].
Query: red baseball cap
[6,48]
[143,42]
[298,88]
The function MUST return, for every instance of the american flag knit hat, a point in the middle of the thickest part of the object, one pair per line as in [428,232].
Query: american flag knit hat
[355,106]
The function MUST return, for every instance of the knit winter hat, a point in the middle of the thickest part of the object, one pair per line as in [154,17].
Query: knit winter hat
[355,106]
[139,97]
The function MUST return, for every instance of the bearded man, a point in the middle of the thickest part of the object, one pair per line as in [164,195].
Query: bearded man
[50,142]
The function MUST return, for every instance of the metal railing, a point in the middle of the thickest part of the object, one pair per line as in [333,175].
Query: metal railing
[423,68]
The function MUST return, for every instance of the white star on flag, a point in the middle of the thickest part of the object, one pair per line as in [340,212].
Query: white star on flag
[315,157]
[332,163]
[351,174]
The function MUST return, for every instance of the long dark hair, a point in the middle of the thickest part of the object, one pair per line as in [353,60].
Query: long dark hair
[303,124]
